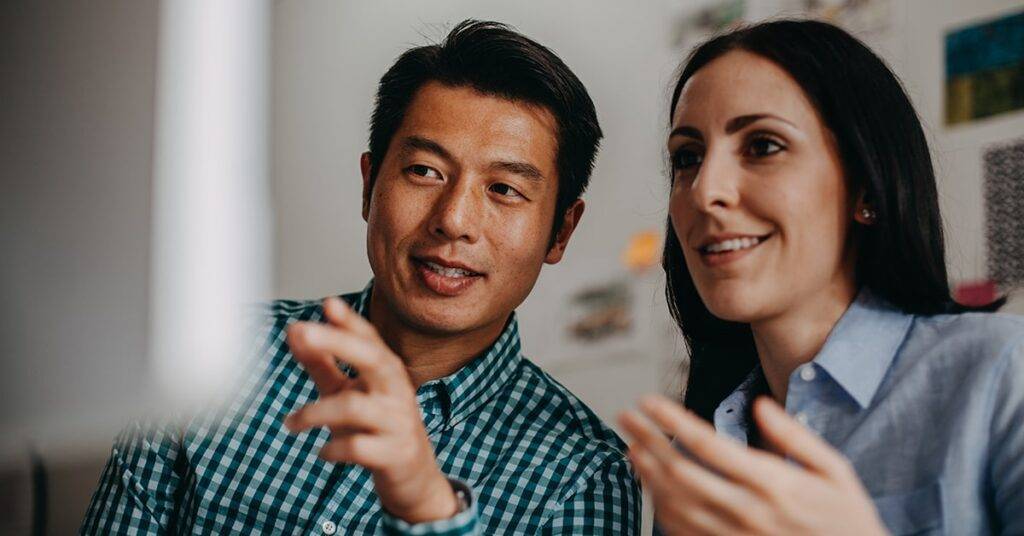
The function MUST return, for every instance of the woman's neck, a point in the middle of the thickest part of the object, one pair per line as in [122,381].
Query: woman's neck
[794,337]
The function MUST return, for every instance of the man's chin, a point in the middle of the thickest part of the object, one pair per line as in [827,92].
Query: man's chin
[442,325]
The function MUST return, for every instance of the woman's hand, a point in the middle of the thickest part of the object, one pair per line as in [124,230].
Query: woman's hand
[724,487]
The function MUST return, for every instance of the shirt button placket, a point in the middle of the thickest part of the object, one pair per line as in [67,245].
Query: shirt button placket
[328,528]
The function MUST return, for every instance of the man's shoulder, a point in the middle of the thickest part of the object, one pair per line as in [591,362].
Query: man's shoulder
[562,418]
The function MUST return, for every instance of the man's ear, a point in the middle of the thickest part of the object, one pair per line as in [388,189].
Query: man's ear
[364,167]
[570,220]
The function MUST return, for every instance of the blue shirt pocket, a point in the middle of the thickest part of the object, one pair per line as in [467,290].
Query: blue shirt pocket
[918,511]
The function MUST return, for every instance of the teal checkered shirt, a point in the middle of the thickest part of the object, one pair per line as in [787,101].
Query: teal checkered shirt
[534,459]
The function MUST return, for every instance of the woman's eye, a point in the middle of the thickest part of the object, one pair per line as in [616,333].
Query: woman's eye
[686,159]
[424,171]
[505,190]
[764,147]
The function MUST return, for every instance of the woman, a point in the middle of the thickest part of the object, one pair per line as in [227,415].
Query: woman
[805,267]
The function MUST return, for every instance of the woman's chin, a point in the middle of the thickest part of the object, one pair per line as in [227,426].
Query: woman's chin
[735,305]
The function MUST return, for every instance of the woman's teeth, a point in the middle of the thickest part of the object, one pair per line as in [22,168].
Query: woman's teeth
[733,244]
[447,272]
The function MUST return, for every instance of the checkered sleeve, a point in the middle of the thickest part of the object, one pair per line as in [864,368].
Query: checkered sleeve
[464,523]
[606,503]
[136,494]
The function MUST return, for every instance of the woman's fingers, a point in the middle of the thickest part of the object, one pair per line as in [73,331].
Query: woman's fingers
[679,476]
[793,440]
[725,456]
[676,510]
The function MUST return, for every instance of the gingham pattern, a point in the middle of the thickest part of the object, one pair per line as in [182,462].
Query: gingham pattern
[536,459]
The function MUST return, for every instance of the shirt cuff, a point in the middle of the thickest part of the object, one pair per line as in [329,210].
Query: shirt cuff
[462,523]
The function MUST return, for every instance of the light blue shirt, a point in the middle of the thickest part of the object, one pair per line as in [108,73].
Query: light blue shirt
[929,409]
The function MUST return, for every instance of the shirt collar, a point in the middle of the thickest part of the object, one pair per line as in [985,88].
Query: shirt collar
[863,344]
[458,395]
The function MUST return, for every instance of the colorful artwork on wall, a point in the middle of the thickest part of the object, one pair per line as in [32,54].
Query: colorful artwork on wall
[985,69]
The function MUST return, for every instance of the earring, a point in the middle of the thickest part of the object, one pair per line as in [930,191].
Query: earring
[867,214]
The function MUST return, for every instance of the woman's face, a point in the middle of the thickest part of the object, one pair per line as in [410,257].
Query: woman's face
[759,202]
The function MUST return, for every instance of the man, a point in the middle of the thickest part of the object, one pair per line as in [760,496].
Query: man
[407,407]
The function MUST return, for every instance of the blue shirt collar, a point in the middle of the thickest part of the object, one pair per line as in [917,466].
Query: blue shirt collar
[863,344]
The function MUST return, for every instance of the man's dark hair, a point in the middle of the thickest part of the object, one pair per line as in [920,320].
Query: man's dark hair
[495,60]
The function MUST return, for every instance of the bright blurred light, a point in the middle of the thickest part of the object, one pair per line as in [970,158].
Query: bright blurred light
[211,215]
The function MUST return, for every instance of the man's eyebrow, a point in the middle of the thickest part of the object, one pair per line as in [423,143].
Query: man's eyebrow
[523,169]
[738,123]
[412,143]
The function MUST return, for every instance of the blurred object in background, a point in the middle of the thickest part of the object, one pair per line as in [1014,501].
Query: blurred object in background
[975,293]
[643,251]
[1004,211]
[211,201]
[135,227]
[985,69]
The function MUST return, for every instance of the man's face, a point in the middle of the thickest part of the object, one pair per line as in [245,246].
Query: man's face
[460,214]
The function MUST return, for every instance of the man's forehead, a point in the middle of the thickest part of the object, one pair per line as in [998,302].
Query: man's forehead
[462,118]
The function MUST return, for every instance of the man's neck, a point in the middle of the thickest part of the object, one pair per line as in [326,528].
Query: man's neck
[429,356]
[791,339]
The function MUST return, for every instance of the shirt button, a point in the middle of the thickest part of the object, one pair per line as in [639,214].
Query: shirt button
[802,418]
[328,527]
[807,373]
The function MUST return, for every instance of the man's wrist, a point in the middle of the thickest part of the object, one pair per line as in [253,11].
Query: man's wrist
[437,501]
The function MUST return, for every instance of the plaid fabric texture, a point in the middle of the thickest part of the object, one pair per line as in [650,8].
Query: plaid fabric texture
[536,460]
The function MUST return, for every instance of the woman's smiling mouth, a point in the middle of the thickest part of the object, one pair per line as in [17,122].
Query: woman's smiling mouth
[722,250]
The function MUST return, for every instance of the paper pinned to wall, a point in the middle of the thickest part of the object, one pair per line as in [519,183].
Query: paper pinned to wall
[1004,212]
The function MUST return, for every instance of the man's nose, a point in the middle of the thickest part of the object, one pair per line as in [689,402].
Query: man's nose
[457,212]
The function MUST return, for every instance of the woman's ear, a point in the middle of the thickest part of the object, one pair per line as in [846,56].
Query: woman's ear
[863,211]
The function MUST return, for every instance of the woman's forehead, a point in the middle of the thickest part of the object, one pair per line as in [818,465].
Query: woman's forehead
[741,83]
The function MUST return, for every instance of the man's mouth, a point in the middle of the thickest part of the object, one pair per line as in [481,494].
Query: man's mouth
[445,277]
[448,271]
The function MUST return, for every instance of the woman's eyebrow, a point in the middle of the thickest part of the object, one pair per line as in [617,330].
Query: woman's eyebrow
[738,123]
[687,131]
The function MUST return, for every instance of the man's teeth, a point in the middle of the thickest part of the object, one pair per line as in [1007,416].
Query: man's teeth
[733,244]
[447,272]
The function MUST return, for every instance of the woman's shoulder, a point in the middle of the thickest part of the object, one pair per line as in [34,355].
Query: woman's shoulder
[971,338]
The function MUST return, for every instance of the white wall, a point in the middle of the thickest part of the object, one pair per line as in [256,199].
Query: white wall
[329,56]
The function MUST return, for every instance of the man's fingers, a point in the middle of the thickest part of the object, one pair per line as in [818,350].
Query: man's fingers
[377,366]
[369,451]
[351,410]
[793,440]
[338,313]
[319,364]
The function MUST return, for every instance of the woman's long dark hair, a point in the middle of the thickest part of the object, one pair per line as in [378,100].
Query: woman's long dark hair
[883,151]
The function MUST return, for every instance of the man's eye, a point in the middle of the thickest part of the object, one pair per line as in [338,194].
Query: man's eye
[505,190]
[424,171]
[764,147]
[686,159]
